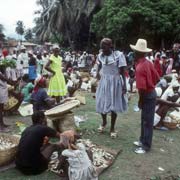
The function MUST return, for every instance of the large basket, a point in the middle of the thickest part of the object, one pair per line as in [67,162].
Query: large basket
[8,155]
[63,108]
[170,125]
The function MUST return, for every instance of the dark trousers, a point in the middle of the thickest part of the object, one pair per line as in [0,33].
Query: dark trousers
[147,119]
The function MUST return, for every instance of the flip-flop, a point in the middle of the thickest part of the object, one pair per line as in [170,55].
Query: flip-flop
[113,135]
[101,129]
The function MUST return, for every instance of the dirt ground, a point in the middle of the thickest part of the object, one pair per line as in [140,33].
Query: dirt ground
[161,163]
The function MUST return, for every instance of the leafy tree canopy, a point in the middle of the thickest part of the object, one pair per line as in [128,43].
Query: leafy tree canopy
[126,20]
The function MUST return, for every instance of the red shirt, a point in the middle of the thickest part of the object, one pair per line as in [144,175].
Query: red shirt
[146,75]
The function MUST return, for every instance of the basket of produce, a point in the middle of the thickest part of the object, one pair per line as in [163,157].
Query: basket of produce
[170,125]
[62,108]
[8,148]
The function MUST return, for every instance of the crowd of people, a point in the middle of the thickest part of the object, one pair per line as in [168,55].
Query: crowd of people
[44,79]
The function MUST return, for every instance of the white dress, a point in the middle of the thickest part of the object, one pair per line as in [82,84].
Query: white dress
[80,166]
[3,91]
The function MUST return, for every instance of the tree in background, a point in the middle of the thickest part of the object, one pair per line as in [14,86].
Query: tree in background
[28,35]
[71,19]
[20,28]
[124,21]
[2,36]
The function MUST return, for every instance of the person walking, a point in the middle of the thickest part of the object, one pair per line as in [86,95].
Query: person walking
[146,79]
[57,86]
[110,92]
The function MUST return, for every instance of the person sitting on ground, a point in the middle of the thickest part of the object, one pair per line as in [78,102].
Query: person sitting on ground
[39,98]
[164,105]
[26,88]
[29,158]
[75,160]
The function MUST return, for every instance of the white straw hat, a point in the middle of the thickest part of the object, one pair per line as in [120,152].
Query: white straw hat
[141,46]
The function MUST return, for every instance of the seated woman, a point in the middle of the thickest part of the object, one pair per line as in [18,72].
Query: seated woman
[39,98]
[164,105]
[26,88]
[75,160]
[30,159]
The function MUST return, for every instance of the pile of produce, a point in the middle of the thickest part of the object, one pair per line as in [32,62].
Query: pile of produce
[6,143]
[101,158]
[8,63]
[53,164]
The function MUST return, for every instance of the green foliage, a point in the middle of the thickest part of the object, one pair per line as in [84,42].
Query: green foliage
[126,20]
[28,35]
[19,28]
[2,36]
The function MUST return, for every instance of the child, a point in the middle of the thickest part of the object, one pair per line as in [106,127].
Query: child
[80,165]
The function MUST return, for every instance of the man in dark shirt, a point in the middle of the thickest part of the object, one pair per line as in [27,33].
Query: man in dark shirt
[146,79]
[29,159]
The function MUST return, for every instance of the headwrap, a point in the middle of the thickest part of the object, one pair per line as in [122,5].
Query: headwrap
[40,81]
[5,52]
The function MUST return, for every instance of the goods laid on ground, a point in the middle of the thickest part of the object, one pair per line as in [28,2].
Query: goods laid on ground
[8,148]
[171,121]
[102,157]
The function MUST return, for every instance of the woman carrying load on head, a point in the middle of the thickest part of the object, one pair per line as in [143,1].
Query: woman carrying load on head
[110,92]
[57,86]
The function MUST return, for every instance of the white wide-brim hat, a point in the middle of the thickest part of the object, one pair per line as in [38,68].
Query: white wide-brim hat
[141,46]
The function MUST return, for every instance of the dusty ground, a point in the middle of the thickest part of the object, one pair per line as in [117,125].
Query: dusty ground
[128,165]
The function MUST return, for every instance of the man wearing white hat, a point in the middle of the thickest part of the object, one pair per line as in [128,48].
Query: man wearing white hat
[22,62]
[146,79]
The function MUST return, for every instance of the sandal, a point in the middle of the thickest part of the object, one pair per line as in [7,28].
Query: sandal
[101,129]
[113,135]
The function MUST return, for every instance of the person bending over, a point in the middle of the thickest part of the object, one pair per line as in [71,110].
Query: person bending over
[29,158]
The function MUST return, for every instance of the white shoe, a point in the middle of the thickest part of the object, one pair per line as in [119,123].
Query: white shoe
[137,143]
[140,151]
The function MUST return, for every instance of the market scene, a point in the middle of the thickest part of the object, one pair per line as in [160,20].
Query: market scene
[90,90]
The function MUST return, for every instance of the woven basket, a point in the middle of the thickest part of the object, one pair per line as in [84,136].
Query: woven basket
[8,155]
[63,108]
[170,125]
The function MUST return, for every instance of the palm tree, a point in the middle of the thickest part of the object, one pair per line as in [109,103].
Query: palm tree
[71,18]
[20,28]
[2,36]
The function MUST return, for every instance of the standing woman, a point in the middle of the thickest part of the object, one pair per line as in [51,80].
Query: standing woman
[111,88]
[57,85]
[3,96]
[32,67]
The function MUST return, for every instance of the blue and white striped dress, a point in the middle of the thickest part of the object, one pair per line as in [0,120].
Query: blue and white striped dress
[109,96]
